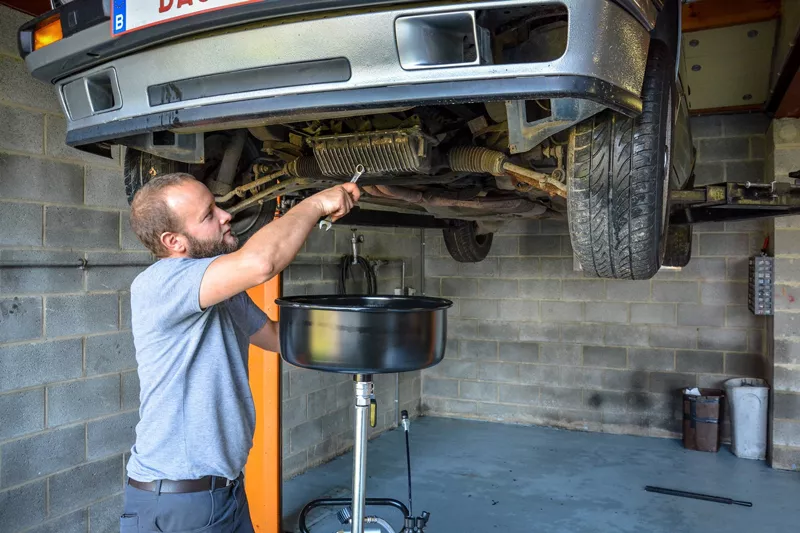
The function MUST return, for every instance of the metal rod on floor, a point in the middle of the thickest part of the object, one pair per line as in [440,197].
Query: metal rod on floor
[697,496]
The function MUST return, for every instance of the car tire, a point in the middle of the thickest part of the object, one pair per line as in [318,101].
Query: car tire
[141,167]
[464,243]
[618,180]
[678,249]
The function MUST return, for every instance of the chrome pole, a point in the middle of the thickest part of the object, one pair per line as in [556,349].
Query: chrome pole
[364,389]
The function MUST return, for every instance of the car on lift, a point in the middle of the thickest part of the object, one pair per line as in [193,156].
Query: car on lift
[466,115]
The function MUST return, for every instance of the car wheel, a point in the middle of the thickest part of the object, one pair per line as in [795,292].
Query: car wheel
[465,244]
[618,179]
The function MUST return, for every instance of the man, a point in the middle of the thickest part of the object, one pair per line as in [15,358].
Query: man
[192,324]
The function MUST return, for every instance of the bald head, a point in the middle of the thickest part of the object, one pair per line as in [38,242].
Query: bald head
[152,212]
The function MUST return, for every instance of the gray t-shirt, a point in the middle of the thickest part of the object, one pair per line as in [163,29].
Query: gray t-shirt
[197,413]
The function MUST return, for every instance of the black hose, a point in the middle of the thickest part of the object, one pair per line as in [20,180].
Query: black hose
[345,267]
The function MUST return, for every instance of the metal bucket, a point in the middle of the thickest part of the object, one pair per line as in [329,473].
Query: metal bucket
[363,334]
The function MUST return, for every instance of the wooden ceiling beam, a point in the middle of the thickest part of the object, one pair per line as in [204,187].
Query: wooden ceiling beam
[709,14]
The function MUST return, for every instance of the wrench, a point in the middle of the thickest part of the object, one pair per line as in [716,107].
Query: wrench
[327,222]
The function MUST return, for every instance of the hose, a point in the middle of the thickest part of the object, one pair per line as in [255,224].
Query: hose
[346,264]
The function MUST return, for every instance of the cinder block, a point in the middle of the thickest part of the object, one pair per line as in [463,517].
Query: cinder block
[706,126]
[536,332]
[786,324]
[31,178]
[607,312]
[463,287]
[295,464]
[560,398]
[588,378]
[699,361]
[619,335]
[130,390]
[21,413]
[786,379]
[24,506]
[505,245]
[519,352]
[539,374]
[112,435]
[553,311]
[458,407]
[53,450]
[729,340]
[628,291]
[744,171]
[32,364]
[671,382]
[726,244]
[306,435]
[604,356]
[441,388]
[104,516]
[502,372]
[744,364]
[74,227]
[462,329]
[520,267]
[656,314]
[303,381]
[758,149]
[723,149]
[551,226]
[744,124]
[662,337]
[786,405]
[10,21]
[74,522]
[321,402]
[110,353]
[17,86]
[21,223]
[709,173]
[440,267]
[20,319]
[584,290]
[724,293]
[498,288]
[302,273]
[582,333]
[675,291]
[703,269]
[786,458]
[785,160]
[22,130]
[520,227]
[559,268]
[519,310]
[129,240]
[624,380]
[85,484]
[786,433]
[741,317]
[486,309]
[540,245]
[538,289]
[105,188]
[293,411]
[560,354]
[455,369]
[650,359]
[498,331]
[480,350]
[701,315]
[786,352]
[39,280]
[81,400]
[483,269]
[82,314]
[519,394]
[478,391]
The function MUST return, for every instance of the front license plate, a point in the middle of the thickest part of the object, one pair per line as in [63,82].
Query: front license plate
[132,15]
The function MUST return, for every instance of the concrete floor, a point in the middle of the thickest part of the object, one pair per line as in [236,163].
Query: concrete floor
[479,476]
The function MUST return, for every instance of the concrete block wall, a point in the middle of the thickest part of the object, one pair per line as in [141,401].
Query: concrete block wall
[533,341]
[784,353]
[729,147]
[318,406]
[68,387]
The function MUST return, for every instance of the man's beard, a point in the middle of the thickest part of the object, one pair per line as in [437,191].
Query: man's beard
[202,249]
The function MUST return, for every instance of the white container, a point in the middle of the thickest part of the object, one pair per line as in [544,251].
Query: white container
[748,399]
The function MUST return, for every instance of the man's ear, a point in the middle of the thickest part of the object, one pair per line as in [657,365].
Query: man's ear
[173,242]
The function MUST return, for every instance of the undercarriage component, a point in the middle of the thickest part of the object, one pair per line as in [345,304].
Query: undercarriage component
[734,201]
[403,151]
[482,160]
[287,186]
[442,199]
[563,113]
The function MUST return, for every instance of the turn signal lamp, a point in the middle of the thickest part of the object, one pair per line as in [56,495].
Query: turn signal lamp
[47,32]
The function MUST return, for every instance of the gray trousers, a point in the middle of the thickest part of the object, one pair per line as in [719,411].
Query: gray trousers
[222,510]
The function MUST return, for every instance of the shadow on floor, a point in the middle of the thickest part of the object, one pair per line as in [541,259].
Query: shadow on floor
[481,476]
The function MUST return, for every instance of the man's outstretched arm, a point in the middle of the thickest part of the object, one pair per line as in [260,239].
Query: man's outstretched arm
[270,250]
[267,337]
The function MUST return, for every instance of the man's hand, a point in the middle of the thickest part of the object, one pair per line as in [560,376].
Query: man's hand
[336,201]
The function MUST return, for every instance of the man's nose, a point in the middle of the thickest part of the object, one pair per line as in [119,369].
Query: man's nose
[224,216]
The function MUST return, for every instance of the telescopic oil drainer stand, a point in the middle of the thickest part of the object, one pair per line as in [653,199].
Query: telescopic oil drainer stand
[352,517]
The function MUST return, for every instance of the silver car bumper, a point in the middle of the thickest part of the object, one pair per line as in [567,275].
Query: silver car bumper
[288,71]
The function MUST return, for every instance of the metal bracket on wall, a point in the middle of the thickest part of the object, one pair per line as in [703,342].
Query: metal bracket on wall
[564,112]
